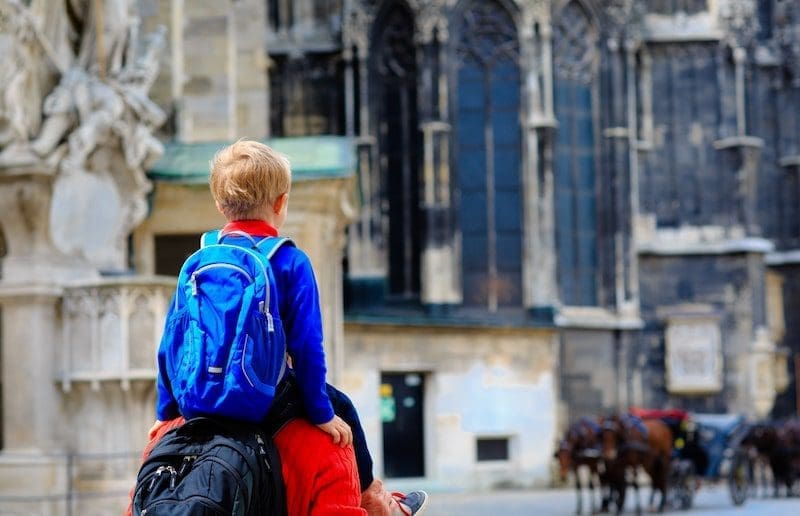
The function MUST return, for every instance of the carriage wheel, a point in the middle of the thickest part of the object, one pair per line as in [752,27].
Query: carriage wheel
[687,492]
[737,479]
[682,484]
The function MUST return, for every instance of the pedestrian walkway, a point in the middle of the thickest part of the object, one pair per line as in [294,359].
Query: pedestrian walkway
[710,501]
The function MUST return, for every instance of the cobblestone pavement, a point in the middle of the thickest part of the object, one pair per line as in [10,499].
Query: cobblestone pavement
[710,500]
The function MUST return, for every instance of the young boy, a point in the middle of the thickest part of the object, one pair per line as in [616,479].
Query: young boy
[250,184]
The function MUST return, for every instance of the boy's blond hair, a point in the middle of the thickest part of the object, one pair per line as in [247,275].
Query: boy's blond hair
[247,177]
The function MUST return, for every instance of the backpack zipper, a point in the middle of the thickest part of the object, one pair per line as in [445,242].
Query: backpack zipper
[258,256]
[193,278]
[263,451]
[186,463]
[244,354]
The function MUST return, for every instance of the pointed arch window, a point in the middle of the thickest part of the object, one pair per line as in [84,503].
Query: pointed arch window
[393,88]
[574,62]
[487,154]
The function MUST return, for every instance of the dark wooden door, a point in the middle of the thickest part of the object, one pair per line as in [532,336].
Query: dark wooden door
[403,424]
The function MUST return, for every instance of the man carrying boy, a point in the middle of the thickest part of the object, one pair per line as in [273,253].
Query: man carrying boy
[250,184]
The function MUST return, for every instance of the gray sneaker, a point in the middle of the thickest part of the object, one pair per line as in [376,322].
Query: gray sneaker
[412,503]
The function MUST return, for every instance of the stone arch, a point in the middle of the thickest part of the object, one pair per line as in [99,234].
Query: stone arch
[591,9]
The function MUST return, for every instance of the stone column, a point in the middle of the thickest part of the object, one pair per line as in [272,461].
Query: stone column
[321,211]
[640,141]
[33,271]
[30,298]
[620,131]
[440,282]
[366,250]
[539,273]
[30,397]
[742,157]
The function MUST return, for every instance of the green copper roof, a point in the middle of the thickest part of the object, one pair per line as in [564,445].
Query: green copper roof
[312,157]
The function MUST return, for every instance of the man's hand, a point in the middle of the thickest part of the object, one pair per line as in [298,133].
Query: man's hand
[339,430]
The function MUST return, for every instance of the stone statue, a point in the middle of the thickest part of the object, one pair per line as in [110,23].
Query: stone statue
[23,79]
[76,102]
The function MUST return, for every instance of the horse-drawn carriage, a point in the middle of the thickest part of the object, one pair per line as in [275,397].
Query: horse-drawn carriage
[708,448]
[677,449]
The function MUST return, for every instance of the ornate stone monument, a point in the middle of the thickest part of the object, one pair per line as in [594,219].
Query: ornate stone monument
[76,136]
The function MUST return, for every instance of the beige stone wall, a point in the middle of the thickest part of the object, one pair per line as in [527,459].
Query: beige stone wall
[214,71]
[478,382]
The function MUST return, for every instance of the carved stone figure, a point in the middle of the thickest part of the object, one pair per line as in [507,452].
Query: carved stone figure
[75,101]
[23,79]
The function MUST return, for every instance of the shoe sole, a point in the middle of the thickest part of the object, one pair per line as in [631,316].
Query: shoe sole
[424,504]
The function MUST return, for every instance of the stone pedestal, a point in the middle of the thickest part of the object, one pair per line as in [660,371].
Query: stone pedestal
[30,337]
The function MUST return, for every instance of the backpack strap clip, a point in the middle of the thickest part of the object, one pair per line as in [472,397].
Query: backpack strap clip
[209,238]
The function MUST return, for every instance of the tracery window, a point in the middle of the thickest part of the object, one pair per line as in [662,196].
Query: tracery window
[574,57]
[487,154]
[304,100]
[393,69]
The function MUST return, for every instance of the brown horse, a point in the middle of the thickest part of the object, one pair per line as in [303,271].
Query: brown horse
[580,448]
[630,443]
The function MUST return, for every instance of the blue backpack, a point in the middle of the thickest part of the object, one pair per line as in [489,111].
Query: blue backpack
[224,340]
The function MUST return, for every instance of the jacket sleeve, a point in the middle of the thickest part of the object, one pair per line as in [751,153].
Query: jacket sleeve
[302,321]
[166,406]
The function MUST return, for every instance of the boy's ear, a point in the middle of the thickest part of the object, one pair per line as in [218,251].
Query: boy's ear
[279,203]
[219,208]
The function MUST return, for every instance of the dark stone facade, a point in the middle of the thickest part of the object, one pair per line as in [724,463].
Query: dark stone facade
[584,164]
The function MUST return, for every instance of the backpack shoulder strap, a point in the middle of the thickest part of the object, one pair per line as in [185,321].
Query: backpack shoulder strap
[209,238]
[270,245]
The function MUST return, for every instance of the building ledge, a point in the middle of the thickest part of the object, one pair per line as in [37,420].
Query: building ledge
[790,161]
[95,378]
[453,317]
[597,318]
[694,240]
[739,141]
[732,246]
[790,257]
[312,157]
[680,27]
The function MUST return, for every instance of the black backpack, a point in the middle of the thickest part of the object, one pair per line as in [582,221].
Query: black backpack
[211,467]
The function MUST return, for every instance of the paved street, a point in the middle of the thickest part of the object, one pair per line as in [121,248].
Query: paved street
[709,501]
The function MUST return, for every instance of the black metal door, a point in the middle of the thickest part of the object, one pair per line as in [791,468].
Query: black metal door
[403,428]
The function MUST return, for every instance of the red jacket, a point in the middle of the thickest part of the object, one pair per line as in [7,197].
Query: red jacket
[321,478]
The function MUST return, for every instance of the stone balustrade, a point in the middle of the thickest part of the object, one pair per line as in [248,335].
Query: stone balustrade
[111,329]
